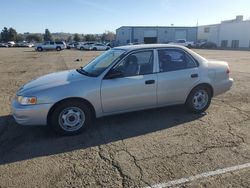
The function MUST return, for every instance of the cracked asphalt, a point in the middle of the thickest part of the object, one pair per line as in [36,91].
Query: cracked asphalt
[130,150]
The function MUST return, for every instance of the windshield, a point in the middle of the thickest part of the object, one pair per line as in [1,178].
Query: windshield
[102,62]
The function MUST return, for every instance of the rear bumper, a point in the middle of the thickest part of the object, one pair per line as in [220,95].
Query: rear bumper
[30,114]
[223,86]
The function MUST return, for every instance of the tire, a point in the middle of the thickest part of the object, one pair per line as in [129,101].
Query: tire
[70,118]
[81,48]
[199,99]
[58,48]
[39,49]
[94,48]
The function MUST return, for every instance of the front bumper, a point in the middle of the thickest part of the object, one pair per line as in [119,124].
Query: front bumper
[30,114]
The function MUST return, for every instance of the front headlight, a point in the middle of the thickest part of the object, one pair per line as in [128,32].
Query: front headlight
[26,100]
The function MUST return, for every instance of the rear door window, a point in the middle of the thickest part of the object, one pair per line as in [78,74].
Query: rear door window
[174,59]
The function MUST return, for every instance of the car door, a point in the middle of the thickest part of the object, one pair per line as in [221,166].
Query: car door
[51,45]
[101,47]
[178,74]
[46,45]
[135,88]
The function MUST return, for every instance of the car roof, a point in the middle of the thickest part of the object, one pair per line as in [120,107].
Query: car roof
[148,46]
[129,48]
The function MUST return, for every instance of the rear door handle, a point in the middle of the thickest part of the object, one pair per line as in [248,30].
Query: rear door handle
[149,82]
[194,75]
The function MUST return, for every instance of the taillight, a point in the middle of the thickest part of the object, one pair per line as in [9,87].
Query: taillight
[228,70]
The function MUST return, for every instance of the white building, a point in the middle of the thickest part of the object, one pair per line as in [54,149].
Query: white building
[228,34]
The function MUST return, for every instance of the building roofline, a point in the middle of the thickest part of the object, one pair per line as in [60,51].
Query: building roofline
[156,27]
[208,25]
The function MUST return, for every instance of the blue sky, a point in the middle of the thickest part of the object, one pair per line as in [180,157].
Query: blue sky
[97,16]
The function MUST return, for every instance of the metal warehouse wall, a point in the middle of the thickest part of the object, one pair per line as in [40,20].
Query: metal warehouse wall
[209,33]
[126,35]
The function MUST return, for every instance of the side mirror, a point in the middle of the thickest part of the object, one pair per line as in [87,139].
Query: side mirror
[114,74]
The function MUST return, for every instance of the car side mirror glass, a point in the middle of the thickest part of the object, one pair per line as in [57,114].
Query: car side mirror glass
[114,74]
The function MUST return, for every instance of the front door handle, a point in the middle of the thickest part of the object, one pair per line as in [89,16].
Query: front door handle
[149,82]
[194,75]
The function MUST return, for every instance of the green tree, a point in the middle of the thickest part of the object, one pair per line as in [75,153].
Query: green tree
[69,39]
[47,35]
[34,38]
[83,37]
[12,34]
[19,38]
[76,38]
[5,34]
[108,36]
[90,37]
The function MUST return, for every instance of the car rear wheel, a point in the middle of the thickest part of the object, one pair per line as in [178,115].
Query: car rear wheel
[81,48]
[58,48]
[70,118]
[199,99]
[94,48]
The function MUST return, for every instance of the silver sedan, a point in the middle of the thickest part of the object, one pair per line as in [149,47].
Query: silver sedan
[122,79]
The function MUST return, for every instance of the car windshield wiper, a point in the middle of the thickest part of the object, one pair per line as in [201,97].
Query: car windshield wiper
[84,72]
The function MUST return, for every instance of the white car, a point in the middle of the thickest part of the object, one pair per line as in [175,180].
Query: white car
[183,42]
[11,43]
[123,79]
[50,45]
[5,45]
[99,46]
[85,45]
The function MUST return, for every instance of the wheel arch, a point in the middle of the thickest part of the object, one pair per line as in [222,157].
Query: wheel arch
[81,100]
[202,84]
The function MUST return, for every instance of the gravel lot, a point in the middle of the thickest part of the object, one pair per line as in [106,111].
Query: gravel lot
[130,150]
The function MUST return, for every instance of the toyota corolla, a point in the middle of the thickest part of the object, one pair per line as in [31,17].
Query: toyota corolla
[122,79]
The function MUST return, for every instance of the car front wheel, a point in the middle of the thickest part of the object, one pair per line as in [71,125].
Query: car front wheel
[70,118]
[199,99]
[39,49]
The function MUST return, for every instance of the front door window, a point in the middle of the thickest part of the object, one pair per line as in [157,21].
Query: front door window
[138,63]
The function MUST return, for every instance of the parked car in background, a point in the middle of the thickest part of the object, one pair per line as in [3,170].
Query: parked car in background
[208,45]
[85,45]
[4,45]
[183,42]
[50,45]
[24,44]
[72,45]
[123,79]
[11,43]
[99,46]
[199,42]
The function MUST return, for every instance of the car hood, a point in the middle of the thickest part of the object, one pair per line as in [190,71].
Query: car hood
[51,80]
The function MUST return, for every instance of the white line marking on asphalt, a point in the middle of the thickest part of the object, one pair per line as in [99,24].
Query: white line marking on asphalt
[202,175]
